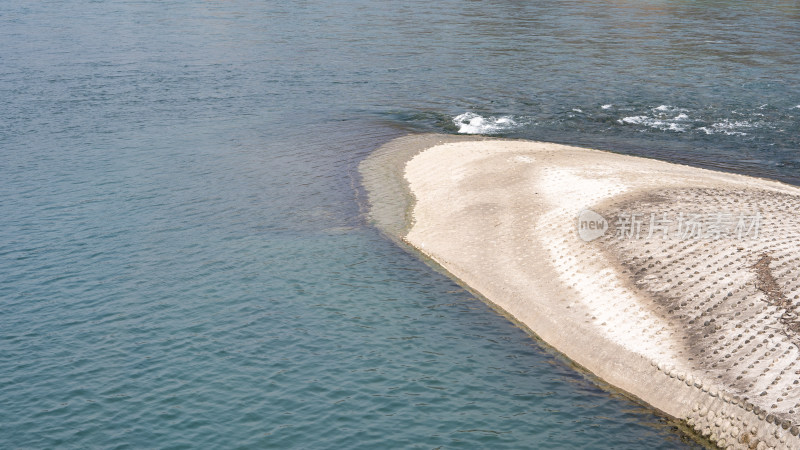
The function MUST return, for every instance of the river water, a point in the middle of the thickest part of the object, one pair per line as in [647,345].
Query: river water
[184,260]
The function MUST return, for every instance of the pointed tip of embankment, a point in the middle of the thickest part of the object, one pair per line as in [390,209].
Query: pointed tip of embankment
[686,298]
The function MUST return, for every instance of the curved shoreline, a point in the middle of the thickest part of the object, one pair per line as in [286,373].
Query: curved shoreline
[501,216]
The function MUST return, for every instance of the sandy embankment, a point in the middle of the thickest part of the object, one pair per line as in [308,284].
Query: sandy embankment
[698,318]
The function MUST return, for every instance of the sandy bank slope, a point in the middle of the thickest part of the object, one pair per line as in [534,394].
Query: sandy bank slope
[688,300]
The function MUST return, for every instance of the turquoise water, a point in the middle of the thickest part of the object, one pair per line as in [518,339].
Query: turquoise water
[184,260]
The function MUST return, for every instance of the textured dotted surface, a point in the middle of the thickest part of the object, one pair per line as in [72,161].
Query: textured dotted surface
[731,298]
[697,315]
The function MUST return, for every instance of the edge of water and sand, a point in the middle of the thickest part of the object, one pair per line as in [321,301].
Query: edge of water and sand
[500,216]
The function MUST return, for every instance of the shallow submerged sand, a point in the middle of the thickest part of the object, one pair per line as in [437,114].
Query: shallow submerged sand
[687,297]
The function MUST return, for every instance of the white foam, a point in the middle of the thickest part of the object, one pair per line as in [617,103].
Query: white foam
[669,109]
[662,117]
[635,119]
[577,110]
[610,105]
[471,123]
[729,127]
[676,127]
[661,124]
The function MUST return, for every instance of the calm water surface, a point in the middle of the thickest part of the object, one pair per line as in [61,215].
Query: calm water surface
[183,255]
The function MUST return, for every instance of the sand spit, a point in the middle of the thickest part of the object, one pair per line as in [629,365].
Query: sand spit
[681,288]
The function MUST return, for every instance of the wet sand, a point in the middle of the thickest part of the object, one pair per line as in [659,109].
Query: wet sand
[680,289]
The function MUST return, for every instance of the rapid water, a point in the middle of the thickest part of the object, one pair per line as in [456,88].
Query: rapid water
[183,254]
